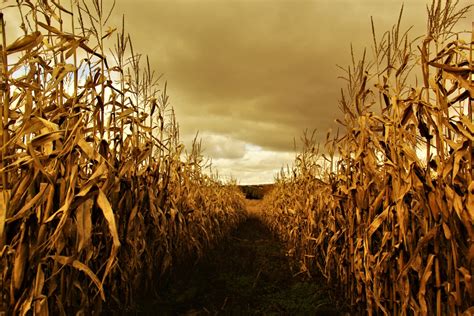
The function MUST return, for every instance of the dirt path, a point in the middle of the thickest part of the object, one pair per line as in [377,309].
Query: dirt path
[248,274]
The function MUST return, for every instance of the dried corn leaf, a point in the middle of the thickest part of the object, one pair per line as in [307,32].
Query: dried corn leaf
[4,198]
[26,42]
[81,267]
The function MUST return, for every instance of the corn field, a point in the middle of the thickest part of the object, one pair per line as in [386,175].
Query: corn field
[98,196]
[385,209]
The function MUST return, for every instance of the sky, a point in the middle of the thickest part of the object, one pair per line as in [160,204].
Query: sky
[251,75]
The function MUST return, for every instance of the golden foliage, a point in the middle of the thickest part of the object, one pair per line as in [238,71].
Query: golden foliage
[386,214]
[96,201]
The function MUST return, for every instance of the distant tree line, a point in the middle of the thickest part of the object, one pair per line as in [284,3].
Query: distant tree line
[255,192]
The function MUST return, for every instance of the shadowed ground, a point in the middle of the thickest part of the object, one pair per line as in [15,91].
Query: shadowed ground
[248,274]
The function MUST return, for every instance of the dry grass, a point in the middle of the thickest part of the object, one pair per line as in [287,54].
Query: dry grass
[95,201]
[389,220]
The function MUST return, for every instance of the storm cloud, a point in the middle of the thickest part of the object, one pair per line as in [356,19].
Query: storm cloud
[257,72]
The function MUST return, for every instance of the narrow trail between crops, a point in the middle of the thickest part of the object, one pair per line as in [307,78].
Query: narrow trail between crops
[248,274]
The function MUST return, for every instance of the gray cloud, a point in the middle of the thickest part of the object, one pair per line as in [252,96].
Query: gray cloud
[218,146]
[258,72]
[261,71]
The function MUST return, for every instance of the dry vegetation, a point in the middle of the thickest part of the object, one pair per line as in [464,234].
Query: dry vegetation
[386,215]
[96,200]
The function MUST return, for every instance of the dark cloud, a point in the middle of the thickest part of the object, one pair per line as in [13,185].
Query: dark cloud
[260,71]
